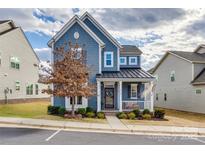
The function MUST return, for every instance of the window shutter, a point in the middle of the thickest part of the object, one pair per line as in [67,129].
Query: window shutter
[129,91]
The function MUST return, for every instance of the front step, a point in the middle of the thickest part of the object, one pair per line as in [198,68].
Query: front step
[110,112]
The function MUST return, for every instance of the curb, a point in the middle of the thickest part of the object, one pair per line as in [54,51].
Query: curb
[131,131]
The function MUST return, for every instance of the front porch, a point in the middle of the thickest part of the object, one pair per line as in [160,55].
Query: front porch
[124,94]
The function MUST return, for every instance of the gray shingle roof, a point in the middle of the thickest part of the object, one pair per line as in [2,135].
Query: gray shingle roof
[191,56]
[130,49]
[200,78]
[3,21]
[126,73]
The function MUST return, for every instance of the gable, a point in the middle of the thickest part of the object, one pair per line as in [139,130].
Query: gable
[68,25]
[99,30]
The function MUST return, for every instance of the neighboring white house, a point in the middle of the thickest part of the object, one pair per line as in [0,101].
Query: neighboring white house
[180,80]
[18,65]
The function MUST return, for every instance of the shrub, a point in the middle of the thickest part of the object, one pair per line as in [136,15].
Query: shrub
[159,113]
[146,116]
[90,114]
[131,115]
[81,111]
[146,111]
[122,115]
[101,115]
[53,109]
[89,109]
[61,111]
[136,112]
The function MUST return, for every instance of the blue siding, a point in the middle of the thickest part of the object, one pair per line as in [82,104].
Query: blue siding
[132,66]
[140,96]
[59,101]
[109,46]
[92,48]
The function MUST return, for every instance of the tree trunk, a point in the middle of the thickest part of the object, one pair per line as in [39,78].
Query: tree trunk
[73,106]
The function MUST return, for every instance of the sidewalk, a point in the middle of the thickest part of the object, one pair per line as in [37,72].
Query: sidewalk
[112,126]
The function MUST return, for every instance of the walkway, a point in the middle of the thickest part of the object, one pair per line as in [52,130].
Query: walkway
[115,123]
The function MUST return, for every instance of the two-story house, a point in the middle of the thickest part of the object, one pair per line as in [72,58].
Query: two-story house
[180,80]
[116,69]
[18,66]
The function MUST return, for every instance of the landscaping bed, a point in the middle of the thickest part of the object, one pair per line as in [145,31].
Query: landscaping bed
[157,115]
[80,113]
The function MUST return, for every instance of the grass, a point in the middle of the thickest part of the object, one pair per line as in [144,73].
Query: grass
[174,118]
[37,110]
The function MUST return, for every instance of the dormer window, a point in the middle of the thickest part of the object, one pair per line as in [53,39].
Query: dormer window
[108,59]
[123,61]
[132,60]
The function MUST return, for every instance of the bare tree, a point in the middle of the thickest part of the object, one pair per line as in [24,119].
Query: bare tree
[69,74]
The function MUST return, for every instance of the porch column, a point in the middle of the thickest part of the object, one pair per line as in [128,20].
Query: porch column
[120,95]
[98,96]
[152,97]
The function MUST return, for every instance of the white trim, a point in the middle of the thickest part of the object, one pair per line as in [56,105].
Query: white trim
[120,95]
[103,30]
[67,102]
[130,61]
[100,59]
[133,85]
[69,24]
[118,59]
[125,58]
[112,58]
[52,61]
[192,69]
[98,96]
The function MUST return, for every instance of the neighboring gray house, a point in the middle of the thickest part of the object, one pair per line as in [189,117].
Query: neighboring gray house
[18,74]
[116,69]
[180,80]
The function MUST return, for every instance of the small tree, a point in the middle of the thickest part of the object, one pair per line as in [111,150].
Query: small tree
[69,74]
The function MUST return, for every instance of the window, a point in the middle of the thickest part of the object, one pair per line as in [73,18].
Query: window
[165,97]
[29,90]
[123,61]
[36,89]
[79,100]
[133,60]
[172,76]
[157,97]
[17,85]
[15,63]
[78,52]
[108,59]
[198,91]
[134,91]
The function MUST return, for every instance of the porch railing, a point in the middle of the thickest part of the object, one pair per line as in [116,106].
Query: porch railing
[131,105]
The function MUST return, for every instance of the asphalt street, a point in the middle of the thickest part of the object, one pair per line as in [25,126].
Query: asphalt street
[30,136]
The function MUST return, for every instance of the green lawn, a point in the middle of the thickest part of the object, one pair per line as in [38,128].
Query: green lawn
[36,110]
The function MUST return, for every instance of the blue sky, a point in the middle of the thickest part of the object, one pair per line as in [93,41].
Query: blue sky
[154,31]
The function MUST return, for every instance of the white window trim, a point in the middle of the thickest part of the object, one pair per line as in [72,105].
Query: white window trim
[125,58]
[133,85]
[105,53]
[130,63]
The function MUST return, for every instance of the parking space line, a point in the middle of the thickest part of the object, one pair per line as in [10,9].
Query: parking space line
[197,139]
[50,137]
